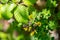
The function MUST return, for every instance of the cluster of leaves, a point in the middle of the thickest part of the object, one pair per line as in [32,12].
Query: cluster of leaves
[29,23]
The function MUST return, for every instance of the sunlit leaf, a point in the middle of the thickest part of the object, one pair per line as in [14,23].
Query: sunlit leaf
[16,1]
[29,2]
[4,1]
[21,37]
[3,35]
[22,14]
[5,13]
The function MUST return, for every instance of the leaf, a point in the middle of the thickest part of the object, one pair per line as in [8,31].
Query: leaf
[3,35]
[11,7]
[23,11]
[5,13]
[19,25]
[0,11]
[4,1]
[54,3]
[20,37]
[16,1]
[48,4]
[21,14]
[46,13]
[52,24]
[32,16]
[29,2]
[1,26]
[31,9]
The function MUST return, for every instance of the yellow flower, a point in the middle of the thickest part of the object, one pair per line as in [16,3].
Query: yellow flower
[38,23]
[29,29]
[32,33]
[25,29]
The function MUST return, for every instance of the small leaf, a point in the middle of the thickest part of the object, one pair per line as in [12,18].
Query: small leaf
[29,2]
[11,7]
[4,1]
[54,3]
[16,1]
[20,37]
[52,24]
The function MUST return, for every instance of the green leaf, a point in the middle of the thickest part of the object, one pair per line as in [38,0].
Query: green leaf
[23,11]
[1,26]
[54,3]
[0,16]
[11,7]
[20,37]
[1,5]
[5,13]
[16,1]
[29,2]
[4,1]
[19,25]
[46,13]
[52,24]
[21,14]
[3,35]
[48,4]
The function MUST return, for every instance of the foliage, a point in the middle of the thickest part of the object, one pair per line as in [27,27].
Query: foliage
[29,23]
